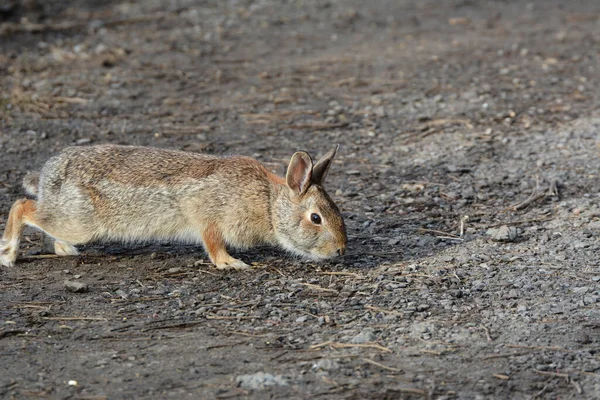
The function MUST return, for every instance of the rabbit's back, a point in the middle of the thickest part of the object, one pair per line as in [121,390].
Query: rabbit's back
[135,193]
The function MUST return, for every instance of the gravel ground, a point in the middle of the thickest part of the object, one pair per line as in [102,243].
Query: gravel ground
[468,175]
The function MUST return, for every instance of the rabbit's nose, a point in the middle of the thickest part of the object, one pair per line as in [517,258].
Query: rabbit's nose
[341,251]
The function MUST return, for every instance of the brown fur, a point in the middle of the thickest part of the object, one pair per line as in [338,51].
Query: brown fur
[128,193]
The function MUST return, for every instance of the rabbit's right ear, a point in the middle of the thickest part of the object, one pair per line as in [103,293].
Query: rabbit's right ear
[299,172]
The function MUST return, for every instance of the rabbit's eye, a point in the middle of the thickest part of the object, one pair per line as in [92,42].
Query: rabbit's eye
[315,218]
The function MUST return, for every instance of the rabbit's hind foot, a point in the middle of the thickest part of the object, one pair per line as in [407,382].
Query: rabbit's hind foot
[8,254]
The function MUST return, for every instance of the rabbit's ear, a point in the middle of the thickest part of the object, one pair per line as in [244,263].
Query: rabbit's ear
[322,166]
[299,172]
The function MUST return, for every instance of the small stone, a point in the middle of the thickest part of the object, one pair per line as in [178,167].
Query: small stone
[581,290]
[363,337]
[423,307]
[326,364]
[76,287]
[121,293]
[260,380]
[503,234]
[302,319]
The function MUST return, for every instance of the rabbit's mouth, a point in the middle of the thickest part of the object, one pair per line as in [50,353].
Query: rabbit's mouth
[320,256]
[311,254]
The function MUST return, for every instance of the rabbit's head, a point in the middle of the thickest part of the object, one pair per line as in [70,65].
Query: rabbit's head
[306,221]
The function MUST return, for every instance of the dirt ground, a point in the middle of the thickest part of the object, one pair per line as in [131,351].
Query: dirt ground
[443,110]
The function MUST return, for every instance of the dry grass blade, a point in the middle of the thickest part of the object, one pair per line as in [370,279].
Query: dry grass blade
[71,100]
[381,365]
[516,354]
[228,317]
[338,345]
[317,287]
[75,319]
[552,348]
[218,346]
[446,121]
[555,374]
[421,392]
[352,274]
[319,126]
[433,352]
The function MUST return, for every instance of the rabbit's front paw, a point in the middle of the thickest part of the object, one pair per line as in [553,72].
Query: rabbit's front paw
[232,263]
[8,254]
[64,249]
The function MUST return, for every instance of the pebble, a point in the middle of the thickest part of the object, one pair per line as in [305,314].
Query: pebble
[363,337]
[76,287]
[503,234]
[326,364]
[260,380]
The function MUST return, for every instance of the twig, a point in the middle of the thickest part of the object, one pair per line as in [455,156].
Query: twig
[357,276]
[552,348]
[246,334]
[218,346]
[13,332]
[434,352]
[41,256]
[75,319]
[411,390]
[71,100]
[555,374]
[278,355]
[378,254]
[446,121]
[228,317]
[338,345]
[535,196]
[173,326]
[487,332]
[541,392]
[317,287]
[319,126]
[501,376]
[492,356]
[381,365]
[523,221]
[438,232]
[463,221]
[577,386]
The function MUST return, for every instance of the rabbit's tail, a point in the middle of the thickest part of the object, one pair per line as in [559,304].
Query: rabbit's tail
[31,182]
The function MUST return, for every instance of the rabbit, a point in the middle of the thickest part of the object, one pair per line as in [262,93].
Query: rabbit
[130,194]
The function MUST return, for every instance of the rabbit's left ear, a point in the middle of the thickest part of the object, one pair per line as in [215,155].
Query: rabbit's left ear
[299,173]
[322,166]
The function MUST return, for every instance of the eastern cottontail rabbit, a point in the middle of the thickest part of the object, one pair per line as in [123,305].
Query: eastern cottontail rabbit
[127,193]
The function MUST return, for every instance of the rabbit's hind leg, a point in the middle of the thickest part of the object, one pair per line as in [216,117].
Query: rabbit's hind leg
[21,213]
